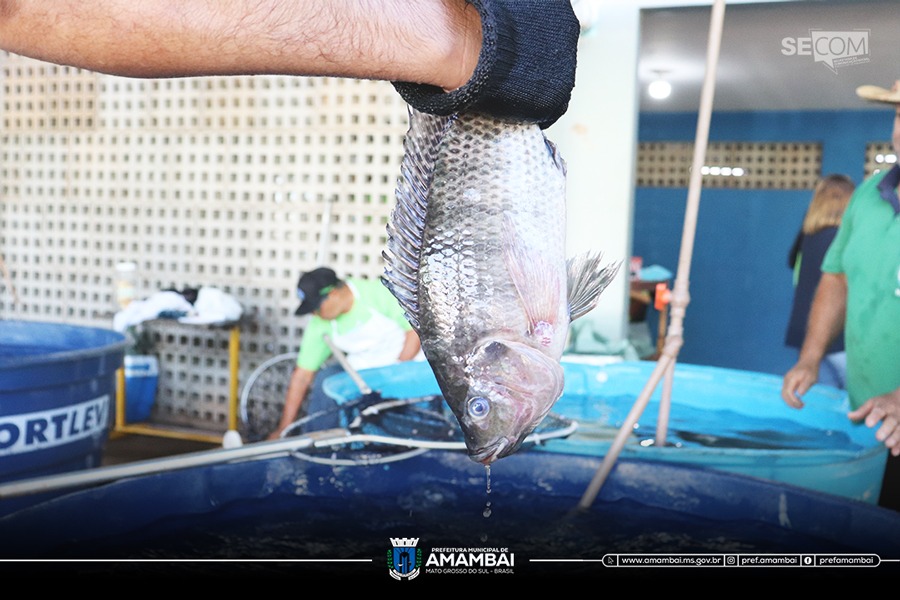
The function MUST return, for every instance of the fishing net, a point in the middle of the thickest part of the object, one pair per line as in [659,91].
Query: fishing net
[262,398]
[385,430]
[372,429]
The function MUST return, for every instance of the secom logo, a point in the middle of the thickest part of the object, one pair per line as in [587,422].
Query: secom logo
[833,48]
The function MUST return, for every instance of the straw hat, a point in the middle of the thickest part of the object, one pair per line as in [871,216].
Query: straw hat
[879,94]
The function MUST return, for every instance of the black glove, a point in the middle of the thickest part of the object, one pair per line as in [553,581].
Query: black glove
[526,69]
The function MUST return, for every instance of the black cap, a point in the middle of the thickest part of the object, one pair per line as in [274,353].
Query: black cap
[313,287]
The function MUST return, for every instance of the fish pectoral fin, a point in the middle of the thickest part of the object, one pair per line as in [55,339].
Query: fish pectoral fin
[535,280]
[587,278]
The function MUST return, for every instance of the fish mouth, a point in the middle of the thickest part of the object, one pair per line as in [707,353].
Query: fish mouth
[488,454]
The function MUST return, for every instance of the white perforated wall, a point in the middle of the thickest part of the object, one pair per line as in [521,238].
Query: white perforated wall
[742,165]
[234,182]
[879,156]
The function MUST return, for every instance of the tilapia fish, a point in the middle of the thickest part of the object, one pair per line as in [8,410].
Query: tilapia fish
[476,258]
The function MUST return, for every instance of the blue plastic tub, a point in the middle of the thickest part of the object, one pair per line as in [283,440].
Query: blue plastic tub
[57,396]
[339,521]
[141,384]
[725,419]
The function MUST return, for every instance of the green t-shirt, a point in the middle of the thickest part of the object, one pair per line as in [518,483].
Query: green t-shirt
[867,251]
[370,297]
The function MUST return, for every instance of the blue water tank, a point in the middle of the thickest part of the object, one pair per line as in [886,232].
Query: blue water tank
[57,396]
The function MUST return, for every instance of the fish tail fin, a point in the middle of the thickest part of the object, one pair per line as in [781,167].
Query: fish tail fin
[587,280]
[407,221]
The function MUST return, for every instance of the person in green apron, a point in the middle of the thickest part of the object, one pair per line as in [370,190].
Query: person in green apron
[363,320]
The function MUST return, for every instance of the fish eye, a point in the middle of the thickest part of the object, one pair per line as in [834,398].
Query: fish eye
[478,407]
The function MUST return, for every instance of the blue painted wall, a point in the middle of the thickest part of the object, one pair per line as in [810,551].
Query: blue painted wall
[740,284]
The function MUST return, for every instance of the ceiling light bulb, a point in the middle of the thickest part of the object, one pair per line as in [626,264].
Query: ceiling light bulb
[659,89]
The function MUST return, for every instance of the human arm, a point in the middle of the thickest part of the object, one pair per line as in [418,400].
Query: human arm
[437,43]
[507,58]
[526,66]
[826,321]
[883,409]
[301,380]
[411,346]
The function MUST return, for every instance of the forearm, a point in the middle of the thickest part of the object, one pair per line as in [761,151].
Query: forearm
[826,317]
[430,41]
[411,346]
[296,392]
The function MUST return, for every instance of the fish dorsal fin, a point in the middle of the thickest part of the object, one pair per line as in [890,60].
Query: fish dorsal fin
[556,155]
[587,280]
[407,223]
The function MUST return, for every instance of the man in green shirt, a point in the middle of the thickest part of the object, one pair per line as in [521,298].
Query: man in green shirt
[860,293]
[363,320]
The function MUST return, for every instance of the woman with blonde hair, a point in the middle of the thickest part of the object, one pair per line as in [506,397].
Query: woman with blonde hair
[820,225]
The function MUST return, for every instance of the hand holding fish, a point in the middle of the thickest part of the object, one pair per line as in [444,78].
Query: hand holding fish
[509,58]
[526,66]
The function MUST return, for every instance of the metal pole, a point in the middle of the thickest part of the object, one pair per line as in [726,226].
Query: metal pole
[194,459]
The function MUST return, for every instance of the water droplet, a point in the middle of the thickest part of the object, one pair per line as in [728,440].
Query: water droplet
[487,474]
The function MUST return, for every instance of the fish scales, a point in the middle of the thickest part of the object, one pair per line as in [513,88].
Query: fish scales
[476,257]
[483,174]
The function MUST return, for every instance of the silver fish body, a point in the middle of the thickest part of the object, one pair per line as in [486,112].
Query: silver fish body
[476,257]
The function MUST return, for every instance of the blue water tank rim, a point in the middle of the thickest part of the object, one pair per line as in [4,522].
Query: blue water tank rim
[114,341]
[100,352]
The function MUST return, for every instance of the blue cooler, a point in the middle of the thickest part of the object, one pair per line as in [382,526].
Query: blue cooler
[141,382]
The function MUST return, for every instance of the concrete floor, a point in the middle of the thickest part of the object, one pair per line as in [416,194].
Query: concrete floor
[126,448]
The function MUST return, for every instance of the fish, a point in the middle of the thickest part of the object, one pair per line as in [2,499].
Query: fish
[475,255]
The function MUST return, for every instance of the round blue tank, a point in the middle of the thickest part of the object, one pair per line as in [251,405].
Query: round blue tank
[724,419]
[57,396]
